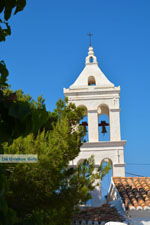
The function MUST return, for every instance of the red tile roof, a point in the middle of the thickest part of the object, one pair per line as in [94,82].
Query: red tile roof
[134,191]
[104,213]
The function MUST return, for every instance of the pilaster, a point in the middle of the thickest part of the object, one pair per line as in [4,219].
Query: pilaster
[93,125]
[114,117]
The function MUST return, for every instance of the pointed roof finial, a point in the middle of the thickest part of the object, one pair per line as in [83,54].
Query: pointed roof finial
[90,38]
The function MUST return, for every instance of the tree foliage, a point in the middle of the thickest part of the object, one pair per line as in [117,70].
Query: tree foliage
[51,189]
[20,115]
[3,76]
[48,190]
[7,7]
[104,169]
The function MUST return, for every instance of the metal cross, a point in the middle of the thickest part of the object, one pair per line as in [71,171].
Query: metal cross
[90,37]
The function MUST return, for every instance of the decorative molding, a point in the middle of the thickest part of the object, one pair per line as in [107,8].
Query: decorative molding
[119,165]
[114,110]
[104,144]
[91,91]
[92,111]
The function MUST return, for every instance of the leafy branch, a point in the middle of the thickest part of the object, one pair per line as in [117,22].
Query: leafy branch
[7,8]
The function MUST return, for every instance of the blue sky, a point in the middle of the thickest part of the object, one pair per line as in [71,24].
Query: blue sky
[48,46]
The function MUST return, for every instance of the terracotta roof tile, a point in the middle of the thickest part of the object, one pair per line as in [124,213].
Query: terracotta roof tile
[104,213]
[134,191]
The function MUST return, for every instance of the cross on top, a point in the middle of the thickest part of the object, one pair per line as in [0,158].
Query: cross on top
[90,37]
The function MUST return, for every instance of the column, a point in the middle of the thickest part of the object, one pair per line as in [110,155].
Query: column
[93,125]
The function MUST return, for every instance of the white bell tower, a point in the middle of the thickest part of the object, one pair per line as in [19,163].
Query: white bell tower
[99,96]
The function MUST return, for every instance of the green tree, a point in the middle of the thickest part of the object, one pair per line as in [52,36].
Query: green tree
[7,7]
[50,189]
[104,169]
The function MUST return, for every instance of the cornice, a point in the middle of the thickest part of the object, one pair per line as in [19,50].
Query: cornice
[104,144]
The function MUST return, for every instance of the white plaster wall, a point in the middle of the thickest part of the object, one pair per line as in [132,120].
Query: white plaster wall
[102,150]
[139,217]
[119,170]
[108,96]
[141,221]
[91,70]
[92,98]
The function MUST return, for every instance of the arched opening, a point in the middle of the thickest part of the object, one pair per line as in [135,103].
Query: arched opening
[106,172]
[91,81]
[91,59]
[84,123]
[103,123]
[85,172]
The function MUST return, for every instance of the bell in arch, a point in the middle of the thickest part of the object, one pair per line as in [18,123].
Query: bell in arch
[103,124]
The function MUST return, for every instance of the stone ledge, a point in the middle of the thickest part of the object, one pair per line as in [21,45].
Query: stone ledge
[103,144]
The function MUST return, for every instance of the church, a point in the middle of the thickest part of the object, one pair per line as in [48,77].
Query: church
[128,199]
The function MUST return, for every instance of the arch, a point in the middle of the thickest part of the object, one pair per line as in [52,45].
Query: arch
[84,108]
[103,109]
[91,81]
[91,59]
[106,170]
[106,160]
[103,123]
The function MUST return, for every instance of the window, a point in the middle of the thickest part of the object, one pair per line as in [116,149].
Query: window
[91,60]
[106,172]
[91,81]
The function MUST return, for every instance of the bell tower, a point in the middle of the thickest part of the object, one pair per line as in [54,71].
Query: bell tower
[99,96]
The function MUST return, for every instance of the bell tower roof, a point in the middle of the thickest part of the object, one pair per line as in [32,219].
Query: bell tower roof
[91,74]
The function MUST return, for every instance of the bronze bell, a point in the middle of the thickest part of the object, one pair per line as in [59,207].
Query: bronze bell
[103,124]
[104,129]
